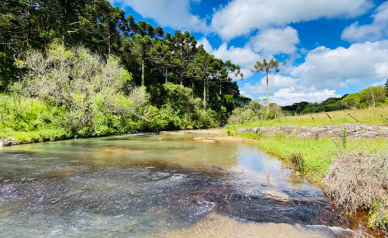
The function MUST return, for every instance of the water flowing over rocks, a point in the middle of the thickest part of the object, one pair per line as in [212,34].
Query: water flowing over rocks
[353,131]
[8,142]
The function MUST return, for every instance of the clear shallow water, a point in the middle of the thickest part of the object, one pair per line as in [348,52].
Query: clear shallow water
[156,186]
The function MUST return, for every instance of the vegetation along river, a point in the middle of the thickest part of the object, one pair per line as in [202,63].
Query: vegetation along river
[150,185]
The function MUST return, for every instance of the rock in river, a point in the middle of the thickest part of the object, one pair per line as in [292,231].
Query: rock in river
[8,142]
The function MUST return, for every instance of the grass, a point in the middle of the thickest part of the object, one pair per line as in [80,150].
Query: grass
[37,136]
[310,155]
[368,116]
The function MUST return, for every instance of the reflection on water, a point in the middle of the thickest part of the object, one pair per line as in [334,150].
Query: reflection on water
[154,185]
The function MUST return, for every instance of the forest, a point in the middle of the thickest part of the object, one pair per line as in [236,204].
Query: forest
[80,68]
[369,97]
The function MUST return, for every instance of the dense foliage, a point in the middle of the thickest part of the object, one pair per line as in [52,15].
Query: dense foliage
[82,61]
[369,97]
[254,111]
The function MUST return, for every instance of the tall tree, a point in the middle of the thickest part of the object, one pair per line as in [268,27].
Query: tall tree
[227,69]
[142,34]
[266,67]
[206,67]
[184,49]
[161,57]
[104,25]
[13,38]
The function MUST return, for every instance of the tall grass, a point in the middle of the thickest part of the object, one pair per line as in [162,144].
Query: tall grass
[368,116]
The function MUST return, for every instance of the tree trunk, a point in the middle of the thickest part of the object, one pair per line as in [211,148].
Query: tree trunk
[166,75]
[267,97]
[220,87]
[193,87]
[109,45]
[142,72]
[204,94]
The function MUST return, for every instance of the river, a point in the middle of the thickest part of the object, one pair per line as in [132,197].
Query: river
[150,185]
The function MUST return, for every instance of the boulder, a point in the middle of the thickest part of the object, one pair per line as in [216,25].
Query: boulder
[8,142]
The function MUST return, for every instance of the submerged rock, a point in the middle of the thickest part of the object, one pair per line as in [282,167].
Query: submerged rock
[8,142]
[205,139]
[277,195]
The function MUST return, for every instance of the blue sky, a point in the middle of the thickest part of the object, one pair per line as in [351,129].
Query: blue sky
[331,47]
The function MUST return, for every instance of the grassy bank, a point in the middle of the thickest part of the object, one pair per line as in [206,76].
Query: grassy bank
[353,173]
[37,136]
[350,171]
[312,156]
[367,116]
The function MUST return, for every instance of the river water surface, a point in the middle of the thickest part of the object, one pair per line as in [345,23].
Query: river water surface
[152,185]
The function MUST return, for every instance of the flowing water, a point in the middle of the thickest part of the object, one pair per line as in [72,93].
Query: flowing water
[152,185]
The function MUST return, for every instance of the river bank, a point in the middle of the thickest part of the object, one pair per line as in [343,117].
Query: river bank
[9,138]
[351,156]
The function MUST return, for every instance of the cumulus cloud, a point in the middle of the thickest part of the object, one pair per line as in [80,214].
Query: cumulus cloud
[327,68]
[374,31]
[245,57]
[289,96]
[168,13]
[275,41]
[276,81]
[206,44]
[240,17]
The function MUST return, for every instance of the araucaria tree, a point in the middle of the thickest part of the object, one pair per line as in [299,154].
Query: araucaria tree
[267,67]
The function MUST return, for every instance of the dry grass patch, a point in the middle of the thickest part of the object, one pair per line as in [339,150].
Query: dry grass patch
[359,181]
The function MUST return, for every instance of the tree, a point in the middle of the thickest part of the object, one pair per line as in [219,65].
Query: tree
[142,34]
[386,87]
[161,57]
[89,88]
[105,24]
[229,68]
[267,67]
[184,48]
[205,67]
[351,100]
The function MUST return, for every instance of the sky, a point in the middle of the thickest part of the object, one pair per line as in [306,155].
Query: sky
[332,47]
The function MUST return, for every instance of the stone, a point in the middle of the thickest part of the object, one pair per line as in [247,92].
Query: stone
[353,131]
[8,142]
[276,195]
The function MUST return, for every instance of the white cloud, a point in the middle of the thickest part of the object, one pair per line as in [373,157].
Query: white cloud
[374,31]
[275,41]
[168,13]
[206,44]
[244,57]
[276,81]
[289,96]
[240,17]
[330,69]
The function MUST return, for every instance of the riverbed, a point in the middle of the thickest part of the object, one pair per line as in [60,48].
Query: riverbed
[150,185]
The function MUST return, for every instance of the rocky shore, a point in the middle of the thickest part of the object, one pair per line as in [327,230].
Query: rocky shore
[353,131]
